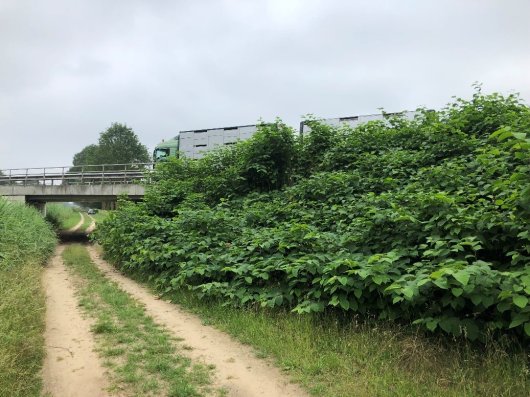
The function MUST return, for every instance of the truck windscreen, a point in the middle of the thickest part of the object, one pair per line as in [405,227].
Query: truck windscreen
[160,154]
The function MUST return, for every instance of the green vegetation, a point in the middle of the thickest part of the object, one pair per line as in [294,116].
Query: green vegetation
[339,357]
[117,145]
[62,216]
[101,215]
[86,223]
[423,221]
[141,356]
[26,241]
[400,239]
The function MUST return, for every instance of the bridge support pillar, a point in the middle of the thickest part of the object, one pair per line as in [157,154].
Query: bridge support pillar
[108,205]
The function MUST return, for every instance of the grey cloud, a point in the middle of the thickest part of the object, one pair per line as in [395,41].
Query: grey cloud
[70,69]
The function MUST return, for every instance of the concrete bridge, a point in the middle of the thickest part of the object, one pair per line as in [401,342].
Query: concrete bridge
[89,183]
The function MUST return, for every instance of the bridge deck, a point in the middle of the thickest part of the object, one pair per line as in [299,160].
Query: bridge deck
[86,183]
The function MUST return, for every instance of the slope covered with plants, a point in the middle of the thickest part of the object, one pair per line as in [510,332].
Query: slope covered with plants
[26,241]
[424,221]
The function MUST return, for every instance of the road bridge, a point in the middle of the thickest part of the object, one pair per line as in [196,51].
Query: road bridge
[88,183]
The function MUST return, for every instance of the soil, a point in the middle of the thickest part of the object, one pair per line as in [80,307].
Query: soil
[71,367]
[79,224]
[92,225]
[237,368]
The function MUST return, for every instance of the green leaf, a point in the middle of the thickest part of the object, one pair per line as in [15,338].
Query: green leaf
[519,319]
[462,277]
[344,303]
[316,307]
[432,324]
[520,301]
[450,325]
[441,283]
[476,299]
[527,329]
[457,291]
[408,292]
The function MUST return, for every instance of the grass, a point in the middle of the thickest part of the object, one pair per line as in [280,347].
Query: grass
[142,357]
[101,215]
[86,223]
[333,356]
[62,216]
[26,241]
[22,309]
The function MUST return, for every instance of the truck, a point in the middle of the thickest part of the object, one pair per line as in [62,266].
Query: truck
[194,144]
[354,121]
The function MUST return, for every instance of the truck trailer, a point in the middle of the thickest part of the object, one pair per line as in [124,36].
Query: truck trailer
[354,121]
[194,144]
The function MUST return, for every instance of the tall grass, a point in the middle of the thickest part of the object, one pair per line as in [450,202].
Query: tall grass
[336,356]
[26,241]
[62,216]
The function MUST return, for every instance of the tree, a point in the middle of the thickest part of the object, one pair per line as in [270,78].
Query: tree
[120,145]
[88,156]
[117,145]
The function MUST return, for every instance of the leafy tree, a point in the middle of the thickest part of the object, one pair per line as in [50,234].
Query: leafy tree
[120,145]
[88,156]
[117,145]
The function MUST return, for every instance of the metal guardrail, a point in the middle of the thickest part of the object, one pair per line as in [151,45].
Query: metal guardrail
[102,174]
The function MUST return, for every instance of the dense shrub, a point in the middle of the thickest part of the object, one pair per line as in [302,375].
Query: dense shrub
[424,221]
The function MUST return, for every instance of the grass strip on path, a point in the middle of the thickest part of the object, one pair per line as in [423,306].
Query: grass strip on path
[87,222]
[338,357]
[142,357]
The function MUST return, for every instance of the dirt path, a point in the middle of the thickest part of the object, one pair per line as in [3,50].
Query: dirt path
[92,225]
[71,367]
[79,224]
[238,370]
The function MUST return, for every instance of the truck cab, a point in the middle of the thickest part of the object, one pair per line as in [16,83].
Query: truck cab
[166,149]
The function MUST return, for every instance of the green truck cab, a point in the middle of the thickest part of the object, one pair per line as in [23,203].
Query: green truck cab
[166,149]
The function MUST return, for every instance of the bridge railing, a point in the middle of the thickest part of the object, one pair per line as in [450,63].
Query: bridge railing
[101,174]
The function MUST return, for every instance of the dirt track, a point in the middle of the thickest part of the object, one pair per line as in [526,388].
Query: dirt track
[79,224]
[71,367]
[92,225]
[238,370]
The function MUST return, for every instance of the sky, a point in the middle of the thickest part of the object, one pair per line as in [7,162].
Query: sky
[70,68]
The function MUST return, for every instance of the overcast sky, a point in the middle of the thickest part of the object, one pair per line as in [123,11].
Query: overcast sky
[69,68]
